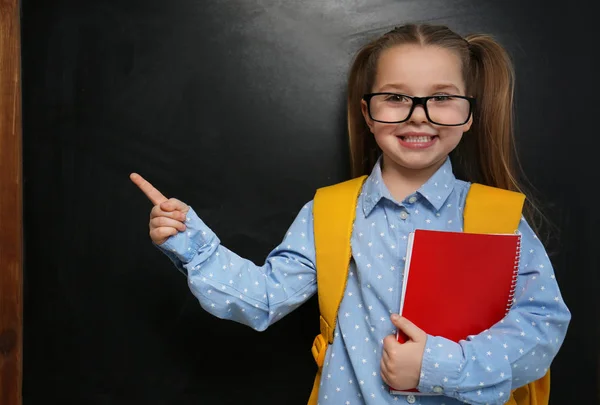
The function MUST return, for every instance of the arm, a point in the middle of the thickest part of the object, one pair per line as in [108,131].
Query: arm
[231,287]
[517,350]
[227,285]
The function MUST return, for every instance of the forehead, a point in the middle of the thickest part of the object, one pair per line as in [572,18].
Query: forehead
[418,68]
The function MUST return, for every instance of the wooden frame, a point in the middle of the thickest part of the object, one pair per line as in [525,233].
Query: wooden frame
[11,208]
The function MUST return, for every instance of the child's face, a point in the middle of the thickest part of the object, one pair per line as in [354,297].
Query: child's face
[416,70]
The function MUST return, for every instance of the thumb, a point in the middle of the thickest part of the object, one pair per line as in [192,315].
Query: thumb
[173,204]
[412,331]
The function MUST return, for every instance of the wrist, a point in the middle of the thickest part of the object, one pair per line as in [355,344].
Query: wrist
[440,366]
[185,245]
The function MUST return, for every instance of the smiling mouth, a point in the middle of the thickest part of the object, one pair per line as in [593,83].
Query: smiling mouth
[417,139]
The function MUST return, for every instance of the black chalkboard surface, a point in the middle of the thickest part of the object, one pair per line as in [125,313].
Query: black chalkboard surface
[237,108]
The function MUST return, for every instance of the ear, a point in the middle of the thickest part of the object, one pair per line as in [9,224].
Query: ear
[467,126]
[365,112]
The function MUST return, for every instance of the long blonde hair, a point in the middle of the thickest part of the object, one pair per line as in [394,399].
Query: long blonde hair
[486,154]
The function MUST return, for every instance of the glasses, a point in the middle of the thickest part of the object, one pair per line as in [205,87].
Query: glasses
[394,108]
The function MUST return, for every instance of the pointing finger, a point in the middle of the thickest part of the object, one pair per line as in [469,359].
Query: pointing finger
[152,193]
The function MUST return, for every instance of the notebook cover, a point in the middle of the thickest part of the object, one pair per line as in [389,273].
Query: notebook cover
[458,284]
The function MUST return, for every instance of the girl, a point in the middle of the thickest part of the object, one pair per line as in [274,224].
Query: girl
[414,94]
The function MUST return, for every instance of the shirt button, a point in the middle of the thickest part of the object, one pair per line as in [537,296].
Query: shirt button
[438,390]
[412,199]
[404,215]
[411,399]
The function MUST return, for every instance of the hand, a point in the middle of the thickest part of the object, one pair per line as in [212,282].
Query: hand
[401,362]
[168,214]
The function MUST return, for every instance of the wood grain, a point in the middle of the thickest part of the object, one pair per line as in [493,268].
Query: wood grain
[11,231]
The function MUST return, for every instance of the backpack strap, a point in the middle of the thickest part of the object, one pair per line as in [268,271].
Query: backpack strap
[492,210]
[334,210]
[495,210]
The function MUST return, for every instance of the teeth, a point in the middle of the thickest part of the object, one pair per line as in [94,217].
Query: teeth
[417,139]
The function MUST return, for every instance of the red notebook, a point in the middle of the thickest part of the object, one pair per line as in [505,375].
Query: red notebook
[458,284]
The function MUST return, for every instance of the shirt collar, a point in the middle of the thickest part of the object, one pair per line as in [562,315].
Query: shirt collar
[435,190]
[374,189]
[439,186]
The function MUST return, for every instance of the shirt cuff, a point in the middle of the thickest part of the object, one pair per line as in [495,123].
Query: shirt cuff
[185,245]
[441,366]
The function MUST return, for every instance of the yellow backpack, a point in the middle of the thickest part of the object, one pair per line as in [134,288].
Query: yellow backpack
[487,210]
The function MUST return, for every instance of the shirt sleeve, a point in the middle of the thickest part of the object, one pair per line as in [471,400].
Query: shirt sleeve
[483,369]
[231,287]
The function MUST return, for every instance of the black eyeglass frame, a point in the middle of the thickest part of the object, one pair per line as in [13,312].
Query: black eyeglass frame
[419,101]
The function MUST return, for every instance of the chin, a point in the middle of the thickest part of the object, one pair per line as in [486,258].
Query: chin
[417,164]
[417,167]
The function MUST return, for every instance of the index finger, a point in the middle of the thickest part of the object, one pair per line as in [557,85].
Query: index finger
[152,193]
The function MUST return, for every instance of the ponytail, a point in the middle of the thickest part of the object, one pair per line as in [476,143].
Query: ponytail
[363,148]
[486,152]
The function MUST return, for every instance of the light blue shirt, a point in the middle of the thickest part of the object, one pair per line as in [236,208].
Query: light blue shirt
[479,370]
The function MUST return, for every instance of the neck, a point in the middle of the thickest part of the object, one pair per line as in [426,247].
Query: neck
[402,181]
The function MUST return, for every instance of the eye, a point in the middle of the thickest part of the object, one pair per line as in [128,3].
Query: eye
[396,98]
[442,98]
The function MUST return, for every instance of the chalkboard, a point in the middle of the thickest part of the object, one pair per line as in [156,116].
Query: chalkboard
[238,108]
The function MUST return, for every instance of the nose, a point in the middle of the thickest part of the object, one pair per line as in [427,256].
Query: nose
[418,115]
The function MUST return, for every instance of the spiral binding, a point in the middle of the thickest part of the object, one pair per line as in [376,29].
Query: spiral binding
[513,286]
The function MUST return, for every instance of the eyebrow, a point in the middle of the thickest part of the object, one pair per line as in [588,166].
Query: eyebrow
[401,87]
[393,86]
[446,86]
